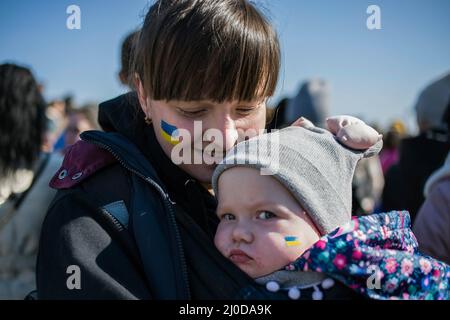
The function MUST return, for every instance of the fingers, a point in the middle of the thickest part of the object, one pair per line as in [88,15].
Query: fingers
[303,122]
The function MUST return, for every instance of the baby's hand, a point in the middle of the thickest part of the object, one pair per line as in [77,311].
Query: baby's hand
[353,132]
[350,131]
[303,122]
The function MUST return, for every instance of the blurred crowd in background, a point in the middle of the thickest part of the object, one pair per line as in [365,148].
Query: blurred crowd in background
[411,173]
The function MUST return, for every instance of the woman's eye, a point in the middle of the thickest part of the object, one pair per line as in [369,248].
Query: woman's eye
[265,215]
[245,111]
[227,216]
[192,113]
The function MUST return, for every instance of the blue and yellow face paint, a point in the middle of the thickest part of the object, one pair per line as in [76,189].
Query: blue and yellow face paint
[169,133]
[291,241]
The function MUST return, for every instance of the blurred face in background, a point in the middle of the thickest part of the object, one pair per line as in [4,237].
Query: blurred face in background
[77,123]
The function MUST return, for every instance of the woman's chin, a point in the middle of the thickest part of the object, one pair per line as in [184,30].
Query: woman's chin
[201,172]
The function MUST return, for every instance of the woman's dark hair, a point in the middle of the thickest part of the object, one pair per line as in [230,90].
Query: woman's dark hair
[22,121]
[219,50]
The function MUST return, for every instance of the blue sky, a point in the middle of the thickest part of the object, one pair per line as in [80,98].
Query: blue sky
[374,74]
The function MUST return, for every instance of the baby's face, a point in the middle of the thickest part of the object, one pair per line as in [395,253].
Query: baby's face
[262,227]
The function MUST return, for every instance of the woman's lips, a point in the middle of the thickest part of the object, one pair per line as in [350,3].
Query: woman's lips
[239,256]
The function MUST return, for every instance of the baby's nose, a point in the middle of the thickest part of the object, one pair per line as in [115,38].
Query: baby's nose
[242,234]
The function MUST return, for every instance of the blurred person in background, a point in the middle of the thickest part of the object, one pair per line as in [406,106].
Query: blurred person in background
[24,176]
[82,119]
[79,120]
[367,184]
[55,124]
[125,75]
[126,55]
[419,156]
[432,227]
[390,155]
[57,119]
[312,102]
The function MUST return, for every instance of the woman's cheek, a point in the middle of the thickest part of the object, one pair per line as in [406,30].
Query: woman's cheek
[260,120]
[259,124]
[254,122]
[182,130]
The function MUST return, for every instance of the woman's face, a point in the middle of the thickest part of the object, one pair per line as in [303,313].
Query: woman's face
[206,130]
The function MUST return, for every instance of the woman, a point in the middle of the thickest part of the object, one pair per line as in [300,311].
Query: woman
[127,223]
[24,175]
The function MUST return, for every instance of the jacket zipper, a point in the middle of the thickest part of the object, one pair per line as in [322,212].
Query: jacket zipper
[116,222]
[168,202]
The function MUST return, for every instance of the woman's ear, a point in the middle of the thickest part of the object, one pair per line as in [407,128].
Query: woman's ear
[145,106]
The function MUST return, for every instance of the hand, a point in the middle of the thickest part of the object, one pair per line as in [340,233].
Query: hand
[350,131]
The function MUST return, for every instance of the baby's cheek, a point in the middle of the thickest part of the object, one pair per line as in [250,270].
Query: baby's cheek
[293,253]
[277,252]
[221,239]
[290,248]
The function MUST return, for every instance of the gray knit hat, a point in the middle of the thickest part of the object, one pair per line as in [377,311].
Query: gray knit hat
[311,163]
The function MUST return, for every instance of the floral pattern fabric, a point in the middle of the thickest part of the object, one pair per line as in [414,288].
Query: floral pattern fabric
[377,256]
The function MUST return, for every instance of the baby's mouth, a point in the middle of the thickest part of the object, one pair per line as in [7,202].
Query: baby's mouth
[238,256]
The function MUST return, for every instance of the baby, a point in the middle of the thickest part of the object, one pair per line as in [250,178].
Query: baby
[276,226]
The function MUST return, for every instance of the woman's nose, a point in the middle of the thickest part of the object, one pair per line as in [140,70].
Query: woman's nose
[229,132]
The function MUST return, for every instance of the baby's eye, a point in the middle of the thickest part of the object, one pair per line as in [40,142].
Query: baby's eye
[227,216]
[265,215]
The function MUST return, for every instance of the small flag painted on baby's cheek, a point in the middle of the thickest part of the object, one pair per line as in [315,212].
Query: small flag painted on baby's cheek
[291,241]
[169,133]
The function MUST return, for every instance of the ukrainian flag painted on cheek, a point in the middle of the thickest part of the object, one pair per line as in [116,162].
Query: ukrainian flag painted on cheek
[291,241]
[169,133]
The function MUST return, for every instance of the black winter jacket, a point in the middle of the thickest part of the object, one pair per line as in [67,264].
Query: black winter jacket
[136,225]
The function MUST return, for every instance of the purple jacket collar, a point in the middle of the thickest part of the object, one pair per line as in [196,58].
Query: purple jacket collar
[81,161]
